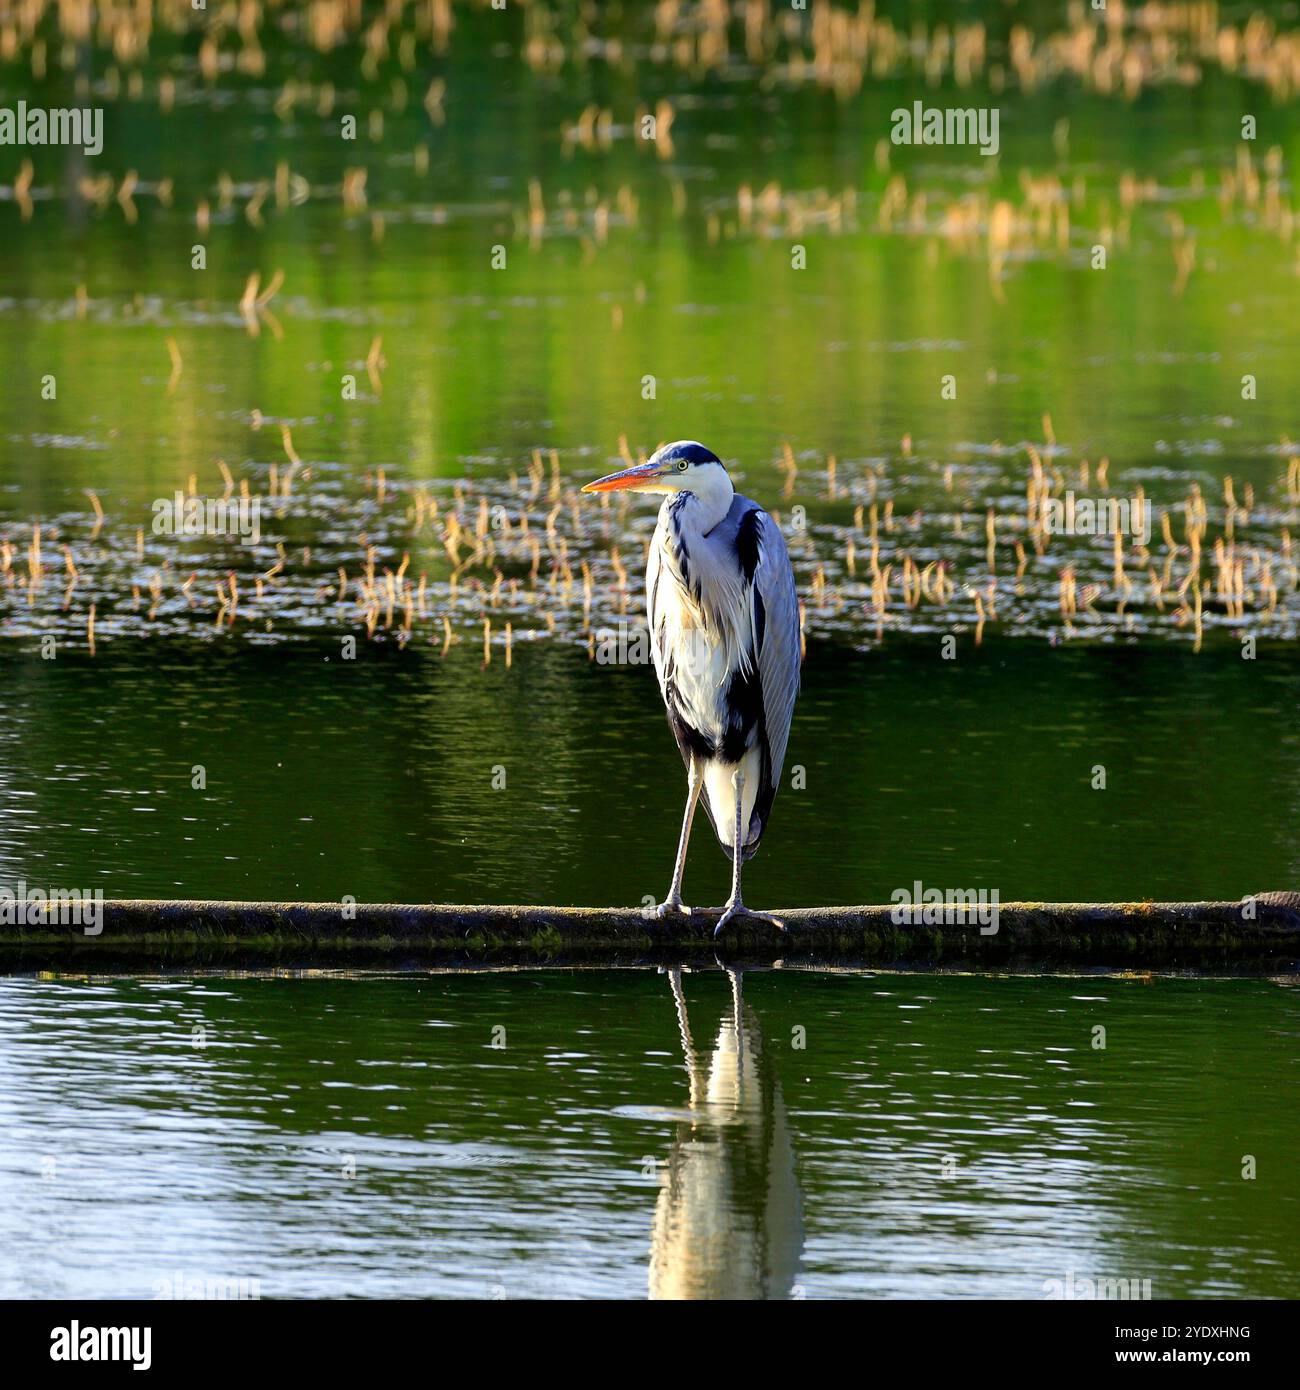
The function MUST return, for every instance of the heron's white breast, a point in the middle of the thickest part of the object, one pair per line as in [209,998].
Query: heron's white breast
[696,660]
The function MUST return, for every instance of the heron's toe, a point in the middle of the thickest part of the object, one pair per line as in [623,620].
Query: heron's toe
[728,916]
[671,907]
[740,910]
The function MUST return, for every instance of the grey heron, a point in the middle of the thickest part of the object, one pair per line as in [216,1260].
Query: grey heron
[724,637]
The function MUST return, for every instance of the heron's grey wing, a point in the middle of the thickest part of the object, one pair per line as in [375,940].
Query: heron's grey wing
[776,638]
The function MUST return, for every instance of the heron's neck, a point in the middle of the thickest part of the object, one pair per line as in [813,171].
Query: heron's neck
[707,502]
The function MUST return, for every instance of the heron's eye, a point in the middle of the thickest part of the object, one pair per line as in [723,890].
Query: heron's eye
[682,466]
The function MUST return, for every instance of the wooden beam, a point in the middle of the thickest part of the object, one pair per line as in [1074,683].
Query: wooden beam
[1261,934]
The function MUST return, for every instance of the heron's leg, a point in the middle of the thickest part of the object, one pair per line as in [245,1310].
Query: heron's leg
[672,904]
[735,906]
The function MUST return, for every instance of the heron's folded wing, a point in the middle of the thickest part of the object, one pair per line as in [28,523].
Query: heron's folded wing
[776,638]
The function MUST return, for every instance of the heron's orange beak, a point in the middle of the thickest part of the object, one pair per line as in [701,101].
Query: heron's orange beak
[629,477]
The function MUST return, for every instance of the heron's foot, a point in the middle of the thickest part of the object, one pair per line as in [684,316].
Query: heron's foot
[738,909]
[671,908]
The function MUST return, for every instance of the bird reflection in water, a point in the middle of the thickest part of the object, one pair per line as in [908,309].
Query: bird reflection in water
[727,1223]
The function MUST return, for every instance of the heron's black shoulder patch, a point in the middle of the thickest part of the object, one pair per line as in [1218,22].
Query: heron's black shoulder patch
[747,542]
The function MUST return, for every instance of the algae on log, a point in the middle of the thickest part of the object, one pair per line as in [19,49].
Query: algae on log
[1260,934]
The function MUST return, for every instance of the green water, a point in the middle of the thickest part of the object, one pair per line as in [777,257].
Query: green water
[209,750]
[866,1136]
[408,778]
[645,264]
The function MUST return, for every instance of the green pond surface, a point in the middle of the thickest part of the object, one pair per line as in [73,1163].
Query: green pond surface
[336,731]
[545,1134]
[401,777]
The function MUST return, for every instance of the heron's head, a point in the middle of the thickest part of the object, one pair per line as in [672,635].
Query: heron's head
[681,467]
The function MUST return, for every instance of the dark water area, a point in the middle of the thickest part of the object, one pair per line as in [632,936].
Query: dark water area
[406,777]
[558,1134]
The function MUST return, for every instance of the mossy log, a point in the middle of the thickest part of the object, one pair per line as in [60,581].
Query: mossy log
[1258,935]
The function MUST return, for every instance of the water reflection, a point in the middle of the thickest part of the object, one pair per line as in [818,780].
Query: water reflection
[727,1223]
[361,1136]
